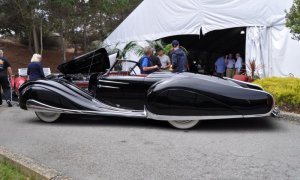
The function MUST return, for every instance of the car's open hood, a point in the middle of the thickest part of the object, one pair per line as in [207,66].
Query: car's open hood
[94,61]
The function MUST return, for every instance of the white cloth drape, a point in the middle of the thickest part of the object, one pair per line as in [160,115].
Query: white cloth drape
[256,49]
[268,41]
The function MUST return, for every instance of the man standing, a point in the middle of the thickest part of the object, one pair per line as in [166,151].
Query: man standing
[230,66]
[145,63]
[220,66]
[5,73]
[164,59]
[238,64]
[179,59]
[155,60]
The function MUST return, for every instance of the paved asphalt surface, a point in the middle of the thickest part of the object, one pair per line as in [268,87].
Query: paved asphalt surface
[114,148]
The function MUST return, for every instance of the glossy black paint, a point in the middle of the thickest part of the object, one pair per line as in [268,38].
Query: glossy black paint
[161,93]
[126,91]
[95,61]
[57,93]
[189,94]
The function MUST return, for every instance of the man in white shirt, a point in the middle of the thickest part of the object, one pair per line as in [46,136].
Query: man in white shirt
[238,63]
[164,60]
[230,66]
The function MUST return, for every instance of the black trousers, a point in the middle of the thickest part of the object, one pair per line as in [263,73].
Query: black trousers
[4,83]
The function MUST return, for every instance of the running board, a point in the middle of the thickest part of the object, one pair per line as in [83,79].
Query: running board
[33,105]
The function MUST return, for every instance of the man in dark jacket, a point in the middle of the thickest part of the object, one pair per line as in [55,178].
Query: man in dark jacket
[179,59]
[5,73]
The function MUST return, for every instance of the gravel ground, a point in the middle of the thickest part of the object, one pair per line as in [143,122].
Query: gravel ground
[116,148]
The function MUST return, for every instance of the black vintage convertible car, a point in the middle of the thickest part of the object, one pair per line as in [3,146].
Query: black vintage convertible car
[120,90]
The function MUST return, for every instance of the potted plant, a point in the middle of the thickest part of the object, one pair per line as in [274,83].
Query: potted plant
[253,67]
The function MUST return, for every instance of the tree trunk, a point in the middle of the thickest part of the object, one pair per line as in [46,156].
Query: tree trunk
[35,40]
[41,37]
[75,50]
[30,41]
[62,42]
[62,48]
[101,28]
[84,36]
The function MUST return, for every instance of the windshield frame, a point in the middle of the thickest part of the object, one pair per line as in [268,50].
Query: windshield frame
[124,60]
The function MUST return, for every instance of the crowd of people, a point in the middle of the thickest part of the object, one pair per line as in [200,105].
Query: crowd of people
[34,72]
[150,63]
[228,65]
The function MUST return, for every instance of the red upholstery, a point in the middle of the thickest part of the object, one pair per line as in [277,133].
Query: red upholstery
[241,78]
[124,73]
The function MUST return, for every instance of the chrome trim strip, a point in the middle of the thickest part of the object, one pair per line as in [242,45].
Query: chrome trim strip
[194,118]
[33,105]
[108,87]
[112,82]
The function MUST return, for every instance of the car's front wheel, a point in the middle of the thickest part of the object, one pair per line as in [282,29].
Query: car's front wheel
[188,124]
[48,117]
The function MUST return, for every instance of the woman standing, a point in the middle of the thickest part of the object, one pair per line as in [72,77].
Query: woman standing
[35,68]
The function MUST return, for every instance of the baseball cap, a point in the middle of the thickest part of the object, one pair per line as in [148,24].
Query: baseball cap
[175,43]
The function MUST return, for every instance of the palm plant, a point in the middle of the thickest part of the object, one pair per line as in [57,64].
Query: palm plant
[139,50]
[159,44]
[168,48]
[253,67]
[156,45]
[129,47]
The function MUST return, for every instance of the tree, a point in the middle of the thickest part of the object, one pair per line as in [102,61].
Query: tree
[293,19]
[22,18]
[78,22]
[61,16]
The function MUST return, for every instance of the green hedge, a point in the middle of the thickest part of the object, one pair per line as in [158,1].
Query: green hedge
[286,91]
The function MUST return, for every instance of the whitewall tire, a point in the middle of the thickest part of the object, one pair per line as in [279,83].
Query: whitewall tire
[188,124]
[48,117]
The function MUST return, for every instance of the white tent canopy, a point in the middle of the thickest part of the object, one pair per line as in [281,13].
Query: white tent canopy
[268,41]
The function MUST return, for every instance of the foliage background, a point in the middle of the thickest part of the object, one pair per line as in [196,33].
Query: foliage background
[293,19]
[286,91]
[77,23]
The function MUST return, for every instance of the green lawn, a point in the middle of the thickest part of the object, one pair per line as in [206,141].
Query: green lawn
[8,172]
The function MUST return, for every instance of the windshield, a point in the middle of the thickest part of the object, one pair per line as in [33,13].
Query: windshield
[126,66]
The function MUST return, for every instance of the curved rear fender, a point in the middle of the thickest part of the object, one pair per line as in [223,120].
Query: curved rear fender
[56,94]
[188,96]
[184,97]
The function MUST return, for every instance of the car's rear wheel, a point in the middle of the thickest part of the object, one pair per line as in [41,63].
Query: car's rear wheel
[188,124]
[48,117]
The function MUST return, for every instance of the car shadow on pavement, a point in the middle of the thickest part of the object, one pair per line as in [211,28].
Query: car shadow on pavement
[253,124]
